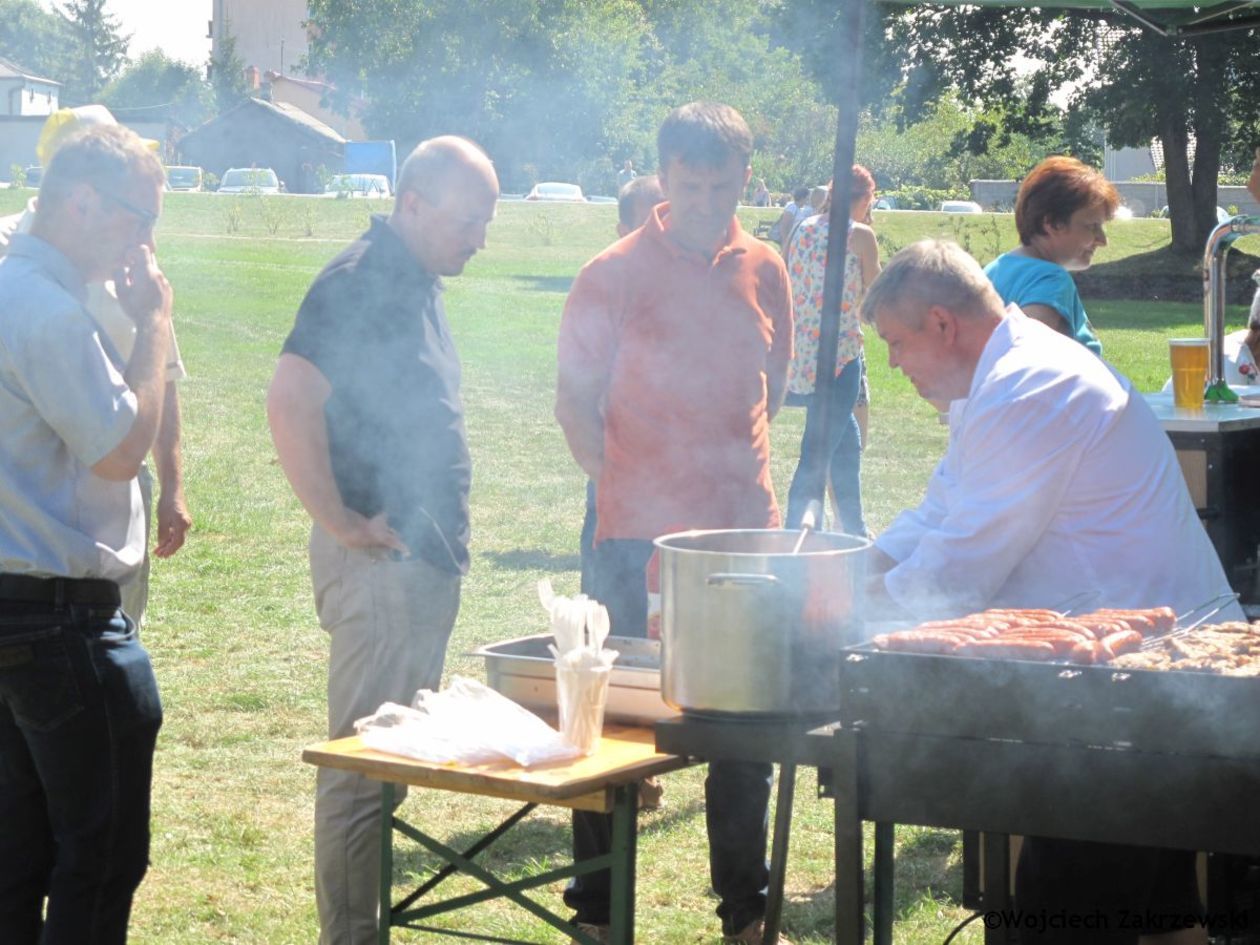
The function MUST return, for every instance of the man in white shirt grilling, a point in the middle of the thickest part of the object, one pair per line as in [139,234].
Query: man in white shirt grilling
[1057,482]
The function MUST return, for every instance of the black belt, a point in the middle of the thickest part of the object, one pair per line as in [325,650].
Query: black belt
[22,588]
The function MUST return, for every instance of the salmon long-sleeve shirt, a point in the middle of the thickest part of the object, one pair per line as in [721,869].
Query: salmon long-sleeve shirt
[685,359]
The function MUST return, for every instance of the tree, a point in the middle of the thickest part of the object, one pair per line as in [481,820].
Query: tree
[158,82]
[570,88]
[1202,92]
[227,76]
[33,38]
[98,49]
[548,83]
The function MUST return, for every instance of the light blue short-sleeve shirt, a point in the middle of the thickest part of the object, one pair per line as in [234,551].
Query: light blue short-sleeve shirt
[64,406]
[1024,280]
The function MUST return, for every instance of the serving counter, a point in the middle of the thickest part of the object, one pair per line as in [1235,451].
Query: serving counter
[1218,449]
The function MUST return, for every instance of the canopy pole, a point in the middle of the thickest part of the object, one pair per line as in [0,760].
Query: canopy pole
[848,51]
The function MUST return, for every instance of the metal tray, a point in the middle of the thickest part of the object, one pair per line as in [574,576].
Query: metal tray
[522,669]
[1173,711]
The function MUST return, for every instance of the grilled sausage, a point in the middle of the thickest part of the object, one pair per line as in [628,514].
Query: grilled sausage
[1008,649]
[1078,631]
[1126,641]
[1161,619]
[1062,642]
[914,641]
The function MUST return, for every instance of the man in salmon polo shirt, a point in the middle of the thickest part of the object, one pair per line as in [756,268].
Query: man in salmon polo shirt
[673,356]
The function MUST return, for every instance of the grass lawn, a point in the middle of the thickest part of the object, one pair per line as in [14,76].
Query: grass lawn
[232,630]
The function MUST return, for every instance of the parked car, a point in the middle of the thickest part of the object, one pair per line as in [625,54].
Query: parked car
[1221,214]
[184,177]
[552,190]
[249,180]
[960,206]
[886,203]
[33,174]
[358,185]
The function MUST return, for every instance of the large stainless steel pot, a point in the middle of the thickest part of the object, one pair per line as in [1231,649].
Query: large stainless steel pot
[749,628]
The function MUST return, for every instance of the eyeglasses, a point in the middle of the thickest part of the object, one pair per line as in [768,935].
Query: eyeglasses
[147,217]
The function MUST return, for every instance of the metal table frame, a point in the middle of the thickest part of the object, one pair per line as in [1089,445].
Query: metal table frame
[606,782]
[620,860]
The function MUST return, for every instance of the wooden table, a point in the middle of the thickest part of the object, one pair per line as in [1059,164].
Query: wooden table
[606,782]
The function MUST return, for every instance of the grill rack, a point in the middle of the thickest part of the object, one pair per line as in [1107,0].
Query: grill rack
[1181,712]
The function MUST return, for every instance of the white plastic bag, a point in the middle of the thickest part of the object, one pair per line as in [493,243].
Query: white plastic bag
[466,722]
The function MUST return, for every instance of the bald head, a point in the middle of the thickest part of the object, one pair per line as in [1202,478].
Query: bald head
[443,163]
[447,191]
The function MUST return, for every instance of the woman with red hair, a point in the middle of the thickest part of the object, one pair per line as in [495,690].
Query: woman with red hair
[1059,213]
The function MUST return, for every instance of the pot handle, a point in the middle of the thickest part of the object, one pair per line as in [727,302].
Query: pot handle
[728,579]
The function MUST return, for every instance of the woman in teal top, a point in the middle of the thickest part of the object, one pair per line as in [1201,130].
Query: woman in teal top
[1059,213]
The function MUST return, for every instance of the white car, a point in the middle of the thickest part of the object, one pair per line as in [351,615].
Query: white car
[249,180]
[552,190]
[358,185]
[183,177]
[960,206]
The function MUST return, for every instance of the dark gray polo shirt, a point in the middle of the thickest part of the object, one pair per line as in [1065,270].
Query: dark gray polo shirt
[373,324]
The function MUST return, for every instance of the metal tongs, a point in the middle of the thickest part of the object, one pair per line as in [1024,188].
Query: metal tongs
[1210,608]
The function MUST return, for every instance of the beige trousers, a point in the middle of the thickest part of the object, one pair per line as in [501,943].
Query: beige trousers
[389,622]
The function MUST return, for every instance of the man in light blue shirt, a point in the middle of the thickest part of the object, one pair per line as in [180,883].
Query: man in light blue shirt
[79,708]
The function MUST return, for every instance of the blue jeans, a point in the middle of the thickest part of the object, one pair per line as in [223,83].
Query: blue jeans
[843,451]
[736,793]
[79,717]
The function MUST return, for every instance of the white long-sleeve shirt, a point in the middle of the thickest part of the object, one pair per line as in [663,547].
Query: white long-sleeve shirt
[1057,481]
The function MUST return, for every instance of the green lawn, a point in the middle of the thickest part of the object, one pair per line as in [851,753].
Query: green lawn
[232,631]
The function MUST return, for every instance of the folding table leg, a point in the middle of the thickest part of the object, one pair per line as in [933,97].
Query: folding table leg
[624,841]
[778,854]
[383,920]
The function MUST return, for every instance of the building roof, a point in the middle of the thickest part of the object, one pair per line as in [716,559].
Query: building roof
[11,70]
[290,114]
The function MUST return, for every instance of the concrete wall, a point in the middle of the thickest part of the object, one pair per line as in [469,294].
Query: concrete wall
[1142,197]
[269,33]
[18,135]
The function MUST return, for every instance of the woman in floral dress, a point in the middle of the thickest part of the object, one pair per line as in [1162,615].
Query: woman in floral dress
[807,260]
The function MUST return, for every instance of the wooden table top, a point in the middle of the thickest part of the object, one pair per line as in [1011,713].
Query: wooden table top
[626,753]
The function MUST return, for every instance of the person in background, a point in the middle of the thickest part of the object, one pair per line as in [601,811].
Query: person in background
[79,706]
[173,518]
[807,265]
[368,424]
[787,219]
[1057,481]
[634,206]
[761,195]
[1060,213]
[672,360]
[625,175]
[814,205]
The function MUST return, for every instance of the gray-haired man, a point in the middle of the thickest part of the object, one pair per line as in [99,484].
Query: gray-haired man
[79,708]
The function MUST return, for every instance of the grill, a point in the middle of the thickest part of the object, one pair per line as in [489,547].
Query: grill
[1165,758]
[1176,712]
